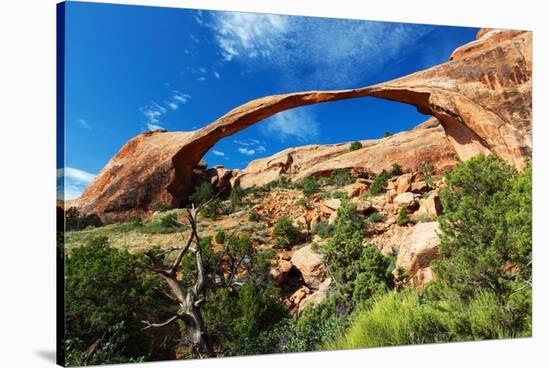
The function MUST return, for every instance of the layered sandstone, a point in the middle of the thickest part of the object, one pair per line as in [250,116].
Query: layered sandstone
[482,97]
[427,143]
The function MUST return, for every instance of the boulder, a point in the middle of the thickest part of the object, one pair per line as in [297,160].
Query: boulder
[418,247]
[390,195]
[310,265]
[280,273]
[419,187]
[407,199]
[299,295]
[422,277]
[316,297]
[300,222]
[403,183]
[330,206]
[355,189]
[429,207]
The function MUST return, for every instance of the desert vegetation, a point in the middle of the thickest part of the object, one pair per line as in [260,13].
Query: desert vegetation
[320,263]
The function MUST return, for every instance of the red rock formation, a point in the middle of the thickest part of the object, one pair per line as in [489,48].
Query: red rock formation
[427,143]
[482,98]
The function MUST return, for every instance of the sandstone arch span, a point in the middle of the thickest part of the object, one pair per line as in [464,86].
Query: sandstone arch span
[482,97]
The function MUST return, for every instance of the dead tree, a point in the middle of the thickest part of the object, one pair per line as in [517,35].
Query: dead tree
[188,301]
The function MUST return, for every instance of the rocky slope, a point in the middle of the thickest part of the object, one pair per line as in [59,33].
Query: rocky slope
[300,270]
[426,143]
[482,98]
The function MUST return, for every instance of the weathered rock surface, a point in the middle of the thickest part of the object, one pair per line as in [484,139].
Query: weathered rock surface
[310,264]
[316,297]
[429,207]
[407,199]
[426,144]
[482,98]
[419,246]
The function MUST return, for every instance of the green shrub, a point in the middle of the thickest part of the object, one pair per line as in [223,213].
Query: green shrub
[245,301]
[220,236]
[339,195]
[376,217]
[360,271]
[387,134]
[211,209]
[379,184]
[406,318]
[354,146]
[236,196]
[427,169]
[302,202]
[75,221]
[388,322]
[162,207]
[110,349]
[169,220]
[202,193]
[403,217]
[309,186]
[254,216]
[486,225]
[285,234]
[107,294]
[340,178]
[307,332]
[396,170]
[323,229]
[283,182]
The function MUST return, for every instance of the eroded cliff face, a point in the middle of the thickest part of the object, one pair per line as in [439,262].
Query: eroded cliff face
[427,143]
[481,97]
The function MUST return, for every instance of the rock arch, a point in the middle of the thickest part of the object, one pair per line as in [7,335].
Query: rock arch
[482,97]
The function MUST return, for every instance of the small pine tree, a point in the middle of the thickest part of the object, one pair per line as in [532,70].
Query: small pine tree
[354,146]
[310,186]
[378,185]
[285,234]
[396,169]
[403,217]
[202,193]
[220,236]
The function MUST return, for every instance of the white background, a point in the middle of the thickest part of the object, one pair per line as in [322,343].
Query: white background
[27,181]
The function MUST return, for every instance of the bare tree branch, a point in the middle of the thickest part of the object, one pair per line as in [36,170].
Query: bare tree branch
[165,323]
[189,305]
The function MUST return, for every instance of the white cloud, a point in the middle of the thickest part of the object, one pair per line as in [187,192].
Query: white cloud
[216,74]
[151,126]
[75,174]
[181,98]
[72,182]
[218,153]
[260,149]
[154,111]
[201,79]
[241,143]
[198,17]
[246,151]
[84,124]
[247,34]
[331,51]
[297,123]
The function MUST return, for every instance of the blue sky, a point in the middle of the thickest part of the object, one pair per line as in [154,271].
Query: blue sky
[133,68]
